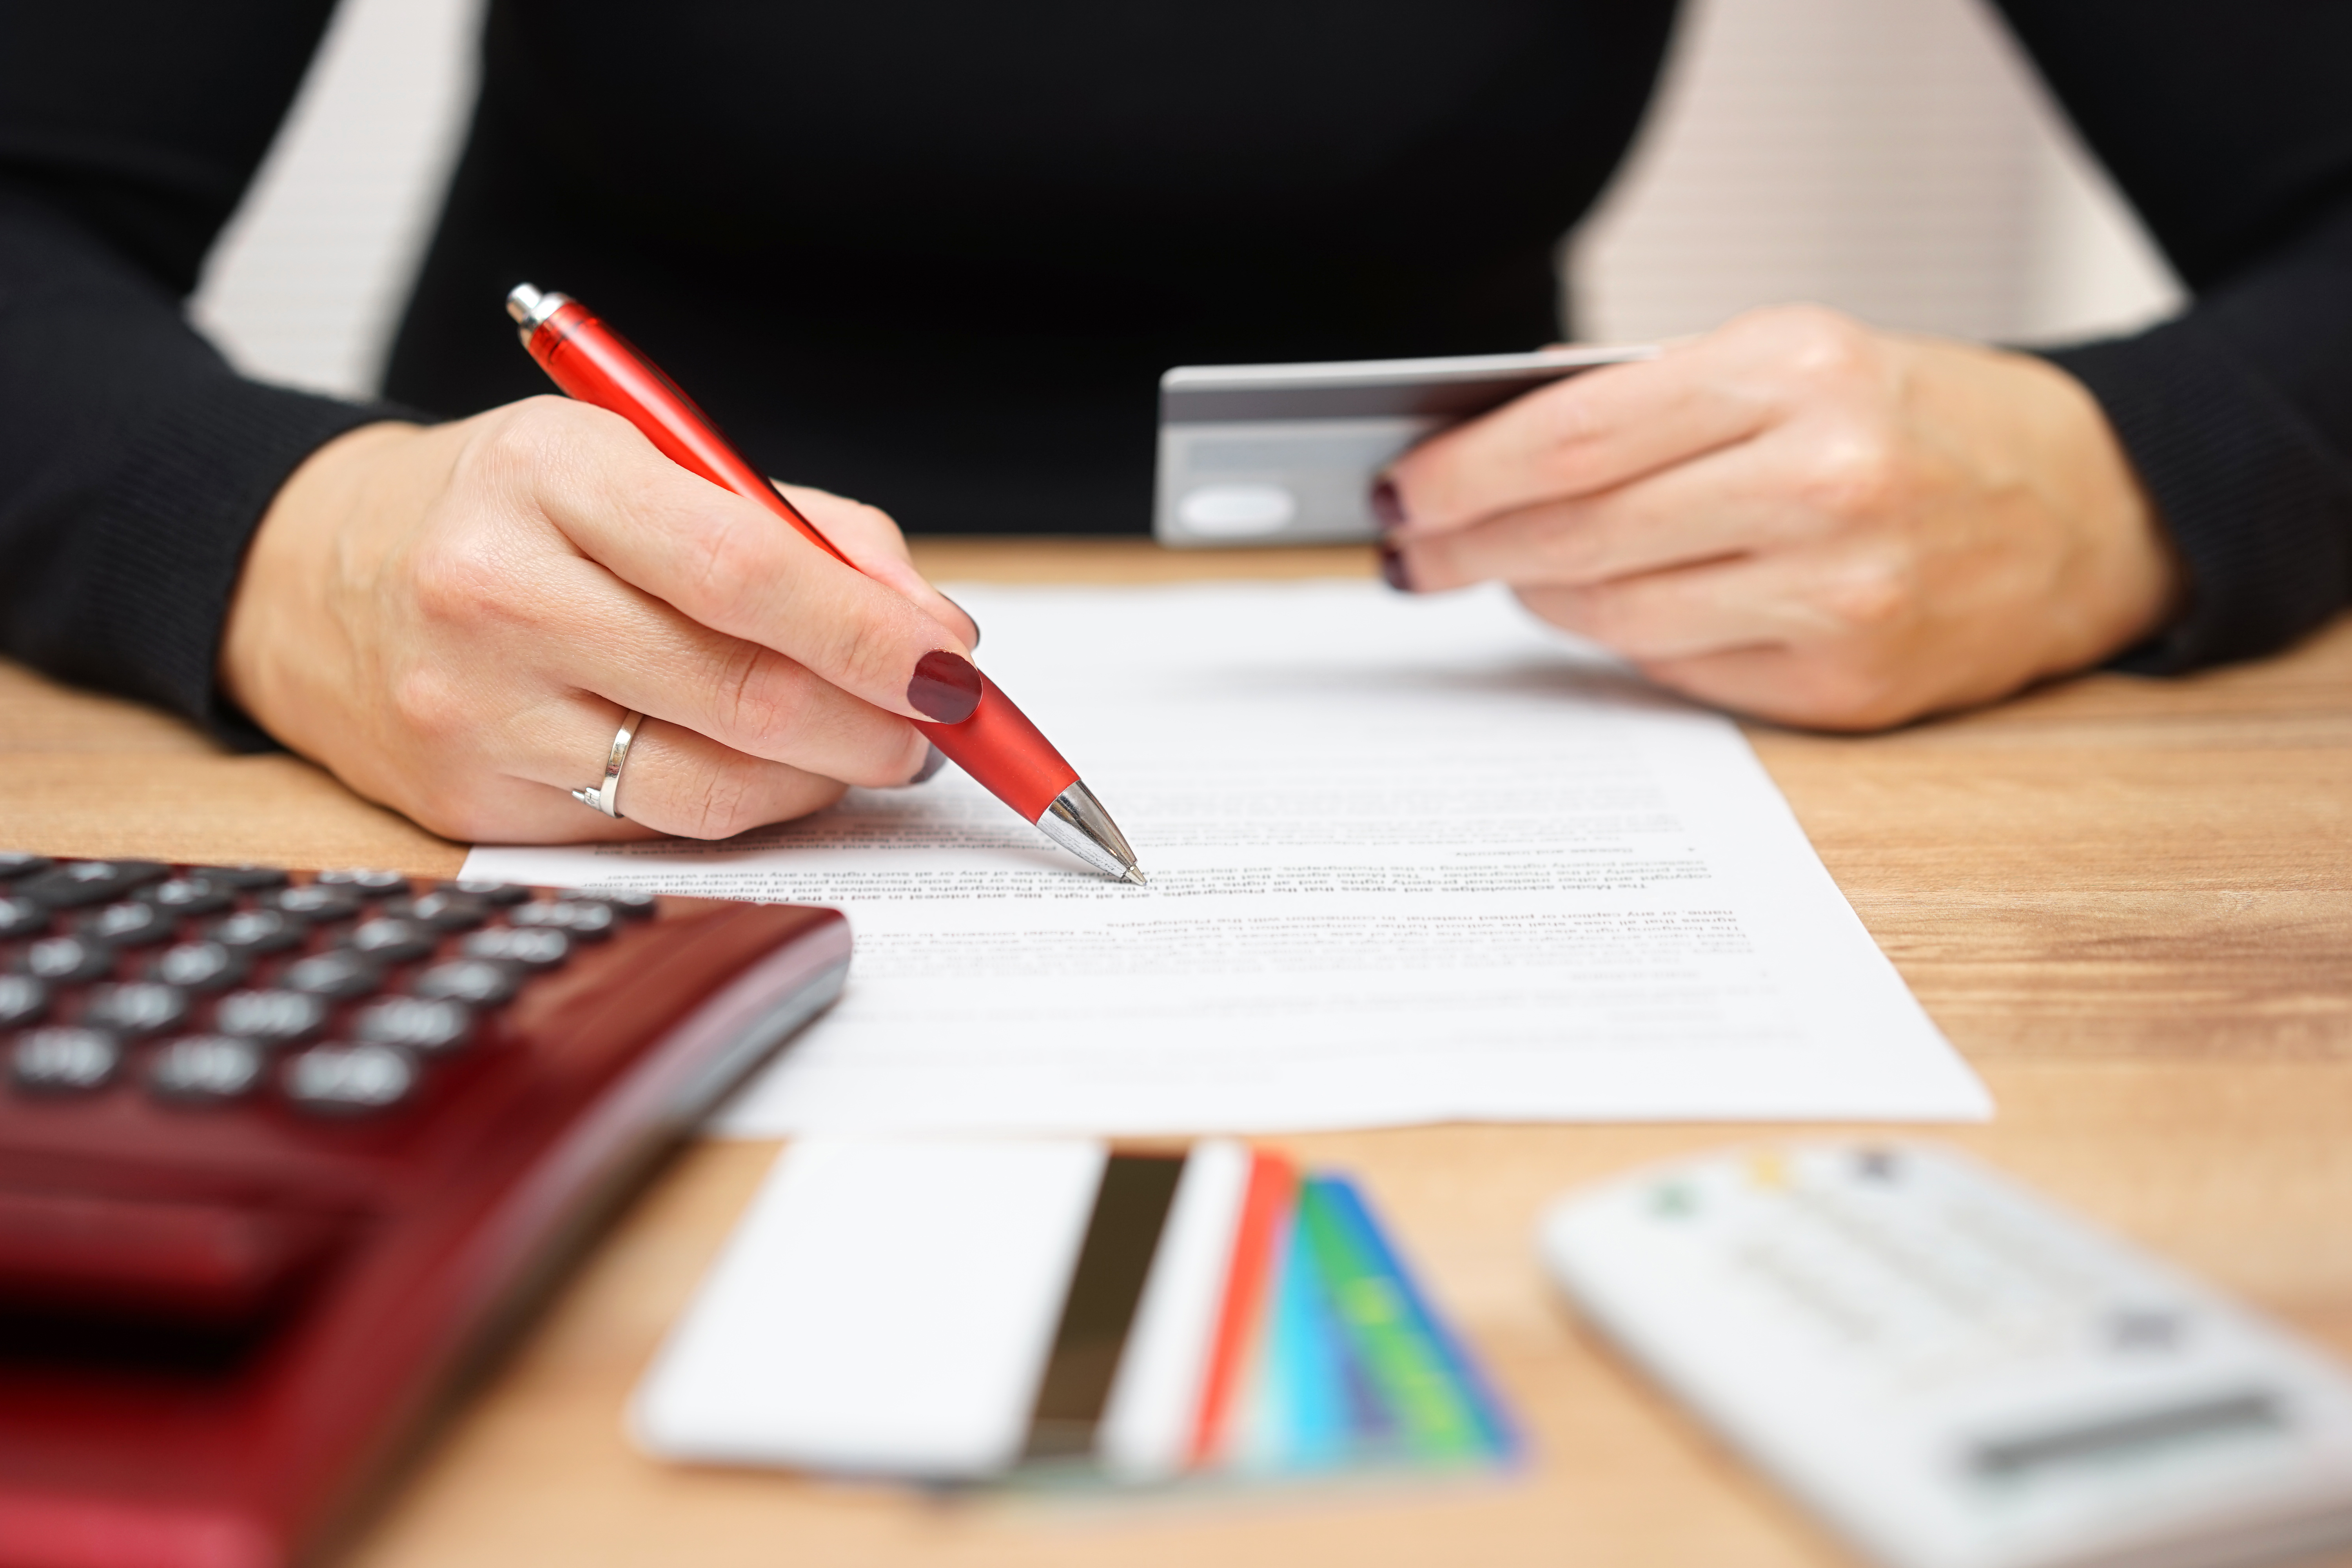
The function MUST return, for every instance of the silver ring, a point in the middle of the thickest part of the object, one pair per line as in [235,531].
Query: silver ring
[605,797]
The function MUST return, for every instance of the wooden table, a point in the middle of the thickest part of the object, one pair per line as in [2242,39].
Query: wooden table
[2129,903]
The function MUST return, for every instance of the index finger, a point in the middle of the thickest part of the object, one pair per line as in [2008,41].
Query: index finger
[1587,433]
[738,568]
[874,546]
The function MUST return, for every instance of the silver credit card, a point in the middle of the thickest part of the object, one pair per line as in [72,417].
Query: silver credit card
[1286,454]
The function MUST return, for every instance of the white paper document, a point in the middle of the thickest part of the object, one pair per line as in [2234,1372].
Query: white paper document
[1412,859]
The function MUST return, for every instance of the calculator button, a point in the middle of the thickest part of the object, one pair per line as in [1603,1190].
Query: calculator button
[184,895]
[442,912]
[2144,1329]
[533,949]
[272,1018]
[247,878]
[473,980]
[140,1007]
[64,1060]
[67,960]
[1881,1165]
[79,883]
[628,901]
[205,1070]
[23,999]
[589,922]
[129,924]
[367,884]
[342,975]
[489,892]
[391,941]
[257,931]
[313,902]
[419,1023]
[22,917]
[346,1078]
[15,863]
[200,966]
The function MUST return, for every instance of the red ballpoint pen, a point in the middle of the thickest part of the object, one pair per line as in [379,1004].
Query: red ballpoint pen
[997,746]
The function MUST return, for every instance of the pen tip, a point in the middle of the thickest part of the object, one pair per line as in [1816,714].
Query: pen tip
[1135,875]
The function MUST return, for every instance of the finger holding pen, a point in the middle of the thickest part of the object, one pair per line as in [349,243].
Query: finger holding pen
[872,542]
[726,564]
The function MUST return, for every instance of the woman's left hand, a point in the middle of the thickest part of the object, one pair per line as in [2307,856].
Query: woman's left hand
[1800,518]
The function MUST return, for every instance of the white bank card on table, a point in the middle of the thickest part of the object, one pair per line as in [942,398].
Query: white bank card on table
[946,1310]
[1953,1374]
[1286,454]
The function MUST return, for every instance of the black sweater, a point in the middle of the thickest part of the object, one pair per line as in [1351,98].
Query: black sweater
[977,235]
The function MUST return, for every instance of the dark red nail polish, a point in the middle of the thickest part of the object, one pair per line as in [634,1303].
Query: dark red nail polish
[1392,569]
[946,688]
[932,762]
[1388,507]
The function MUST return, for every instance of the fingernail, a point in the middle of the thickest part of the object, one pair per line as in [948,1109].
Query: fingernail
[1392,569]
[1388,506]
[933,760]
[967,615]
[946,688]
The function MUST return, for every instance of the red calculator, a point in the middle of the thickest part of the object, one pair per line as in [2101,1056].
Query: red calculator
[279,1151]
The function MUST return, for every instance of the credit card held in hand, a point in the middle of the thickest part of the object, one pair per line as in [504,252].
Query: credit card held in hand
[962,1311]
[1286,454]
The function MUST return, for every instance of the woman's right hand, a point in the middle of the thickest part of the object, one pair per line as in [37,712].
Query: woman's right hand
[455,618]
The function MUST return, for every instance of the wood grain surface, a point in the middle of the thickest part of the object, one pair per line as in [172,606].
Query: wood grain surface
[2128,902]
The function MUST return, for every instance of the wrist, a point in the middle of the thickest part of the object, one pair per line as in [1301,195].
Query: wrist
[2101,573]
[278,633]
[2129,577]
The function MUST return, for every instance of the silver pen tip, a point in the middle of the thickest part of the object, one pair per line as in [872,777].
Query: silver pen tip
[1135,875]
[1077,822]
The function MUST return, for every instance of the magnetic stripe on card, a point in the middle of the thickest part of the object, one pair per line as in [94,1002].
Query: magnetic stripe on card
[1147,1427]
[1122,1233]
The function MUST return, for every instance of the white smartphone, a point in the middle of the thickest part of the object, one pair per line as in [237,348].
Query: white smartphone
[1286,454]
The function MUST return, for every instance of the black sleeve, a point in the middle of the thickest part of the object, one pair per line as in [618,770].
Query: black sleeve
[135,463]
[2229,127]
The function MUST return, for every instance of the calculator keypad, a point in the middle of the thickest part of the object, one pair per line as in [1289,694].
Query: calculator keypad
[350,1079]
[205,1069]
[417,1022]
[442,912]
[130,923]
[200,966]
[139,1007]
[23,1000]
[340,975]
[78,884]
[187,896]
[67,960]
[334,995]
[63,1060]
[270,1017]
[478,981]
